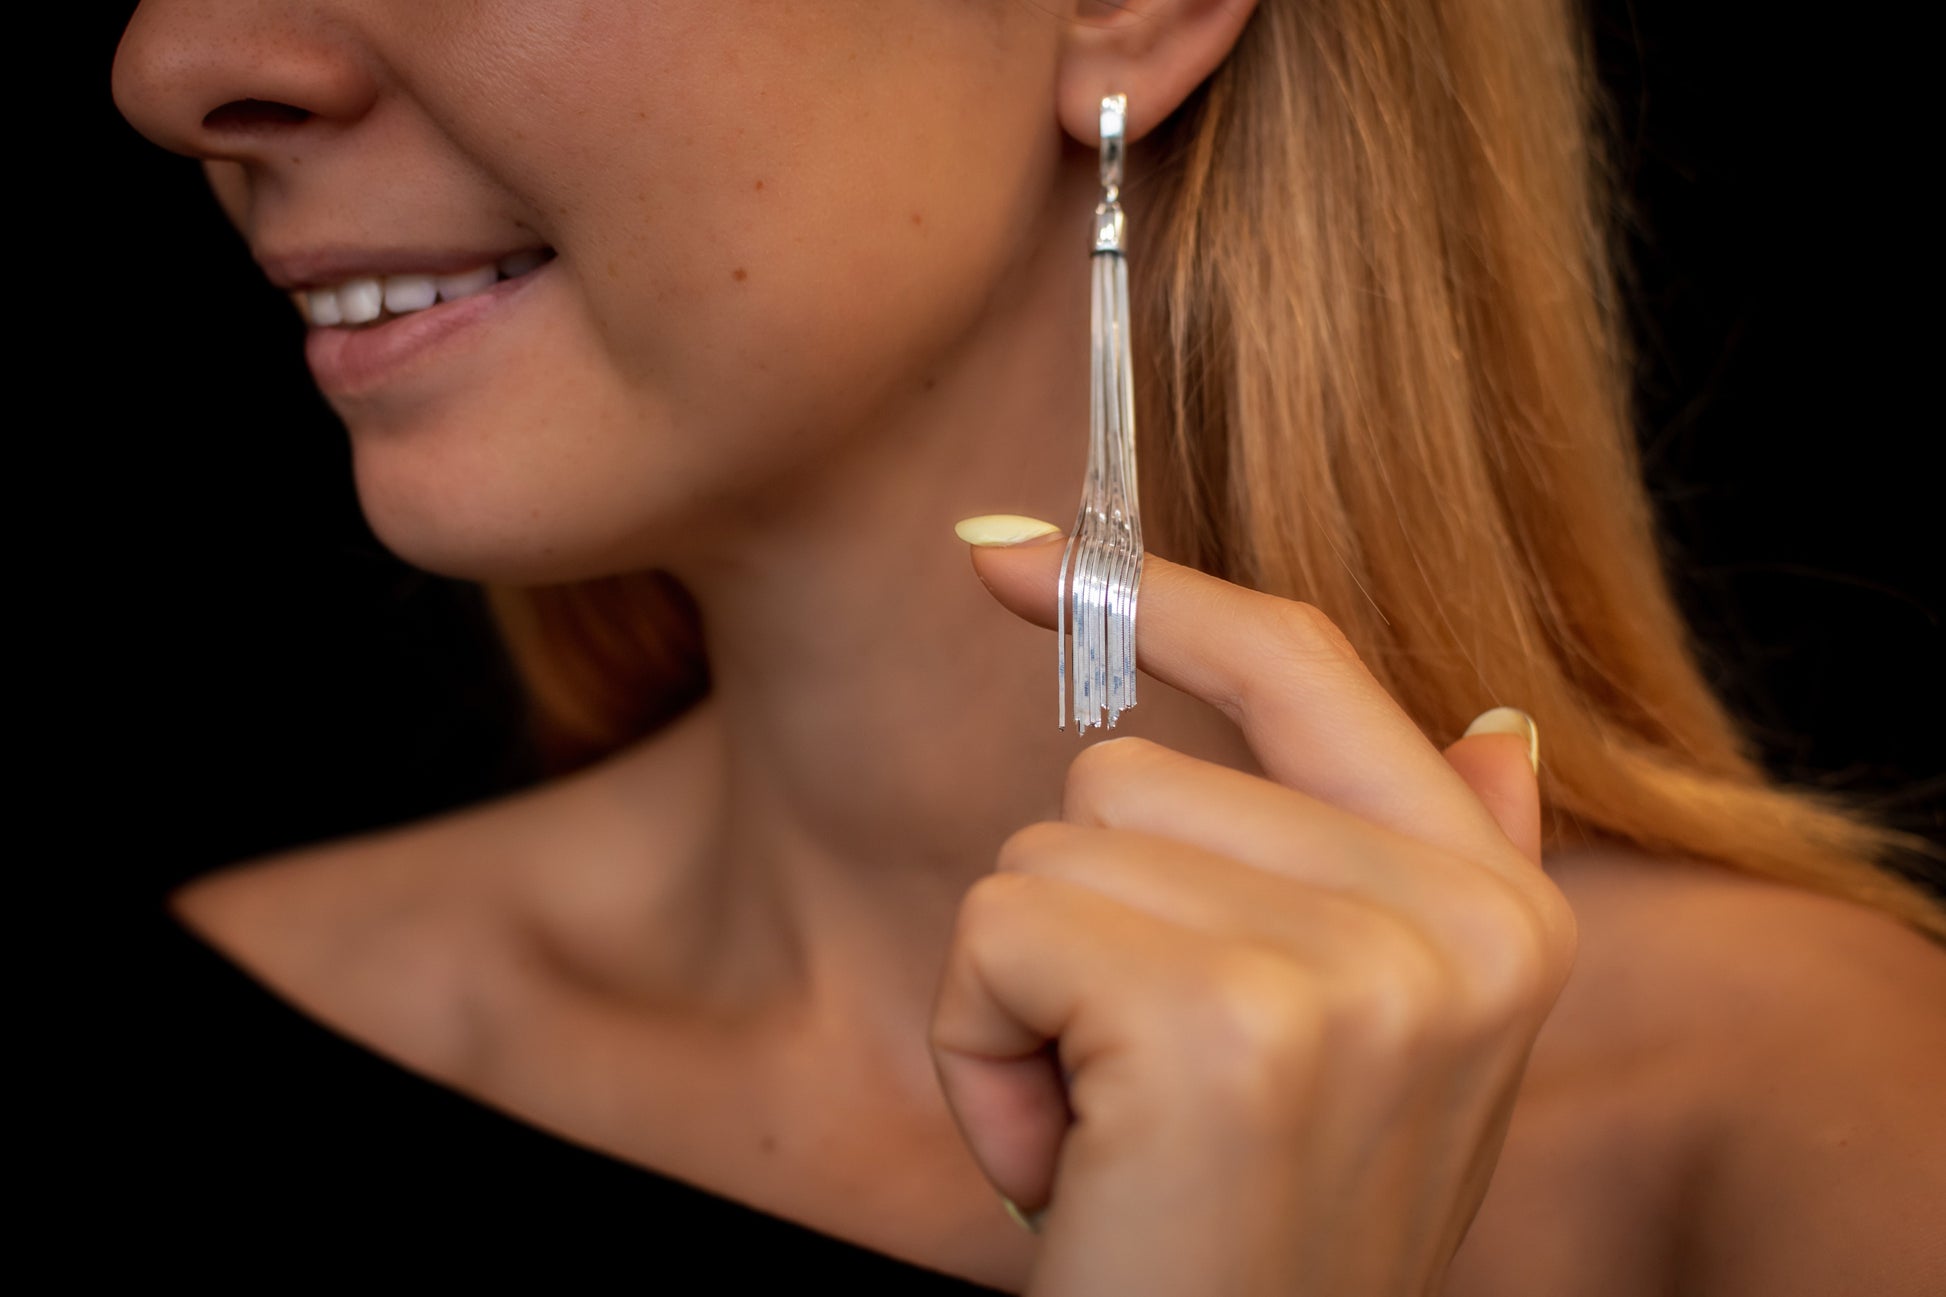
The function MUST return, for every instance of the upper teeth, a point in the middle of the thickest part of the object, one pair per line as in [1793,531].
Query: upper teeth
[360,301]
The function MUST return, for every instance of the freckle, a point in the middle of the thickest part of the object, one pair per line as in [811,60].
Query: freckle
[641,115]
[931,383]
[296,161]
[770,1143]
[533,513]
[760,184]
[918,219]
[739,274]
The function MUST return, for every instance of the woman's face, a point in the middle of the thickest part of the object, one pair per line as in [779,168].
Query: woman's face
[767,222]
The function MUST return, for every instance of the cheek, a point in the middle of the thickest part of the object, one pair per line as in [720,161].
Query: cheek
[231,185]
[790,299]
[761,256]
[778,276]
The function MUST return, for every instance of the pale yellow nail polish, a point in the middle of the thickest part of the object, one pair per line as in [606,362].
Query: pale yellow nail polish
[1003,529]
[1510,720]
[1032,1224]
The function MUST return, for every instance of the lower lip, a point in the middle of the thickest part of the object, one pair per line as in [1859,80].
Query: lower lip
[351,362]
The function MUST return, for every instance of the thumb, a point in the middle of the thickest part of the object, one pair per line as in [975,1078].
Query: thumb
[1013,1114]
[1499,758]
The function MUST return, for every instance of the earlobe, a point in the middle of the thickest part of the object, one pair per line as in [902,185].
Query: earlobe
[1154,51]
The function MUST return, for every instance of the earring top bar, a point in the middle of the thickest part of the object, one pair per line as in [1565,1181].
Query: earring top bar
[1114,126]
[1110,228]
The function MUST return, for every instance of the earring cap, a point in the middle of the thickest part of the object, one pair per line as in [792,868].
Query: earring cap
[1110,227]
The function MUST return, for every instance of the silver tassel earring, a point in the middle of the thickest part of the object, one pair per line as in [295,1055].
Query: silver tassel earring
[1101,569]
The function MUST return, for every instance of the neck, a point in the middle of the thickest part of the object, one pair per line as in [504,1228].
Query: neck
[878,725]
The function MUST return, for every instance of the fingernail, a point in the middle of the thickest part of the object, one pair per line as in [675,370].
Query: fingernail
[1032,1224]
[1004,529]
[1509,720]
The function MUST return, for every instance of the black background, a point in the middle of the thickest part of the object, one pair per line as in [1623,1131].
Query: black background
[237,665]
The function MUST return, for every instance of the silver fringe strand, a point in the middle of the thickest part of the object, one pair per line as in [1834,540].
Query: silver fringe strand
[1101,569]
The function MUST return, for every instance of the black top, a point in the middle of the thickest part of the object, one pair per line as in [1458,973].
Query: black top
[255,1126]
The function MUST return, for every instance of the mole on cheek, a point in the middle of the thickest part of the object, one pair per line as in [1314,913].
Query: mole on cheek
[739,274]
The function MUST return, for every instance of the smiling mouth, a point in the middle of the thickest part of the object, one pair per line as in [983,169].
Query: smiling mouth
[367,301]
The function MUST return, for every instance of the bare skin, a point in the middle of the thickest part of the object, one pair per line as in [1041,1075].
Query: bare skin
[1638,1094]
[768,890]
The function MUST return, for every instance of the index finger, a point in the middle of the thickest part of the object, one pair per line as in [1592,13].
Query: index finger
[1312,713]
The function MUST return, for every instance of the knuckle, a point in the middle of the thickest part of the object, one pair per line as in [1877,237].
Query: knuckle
[1258,1030]
[1297,637]
[1513,969]
[1558,922]
[1032,845]
[1101,775]
[1398,998]
[989,905]
[989,912]
[1312,634]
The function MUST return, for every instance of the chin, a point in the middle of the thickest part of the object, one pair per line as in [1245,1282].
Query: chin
[473,554]
[506,528]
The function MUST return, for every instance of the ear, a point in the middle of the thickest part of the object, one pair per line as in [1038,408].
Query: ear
[1154,51]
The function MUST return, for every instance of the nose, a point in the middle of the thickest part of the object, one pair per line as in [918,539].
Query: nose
[232,79]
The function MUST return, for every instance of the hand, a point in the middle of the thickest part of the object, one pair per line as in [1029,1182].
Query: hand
[1252,1035]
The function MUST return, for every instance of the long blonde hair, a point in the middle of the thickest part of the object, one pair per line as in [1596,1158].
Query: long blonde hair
[1372,260]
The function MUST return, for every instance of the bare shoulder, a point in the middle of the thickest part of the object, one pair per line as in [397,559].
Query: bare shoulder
[405,938]
[370,934]
[1693,944]
[1813,1038]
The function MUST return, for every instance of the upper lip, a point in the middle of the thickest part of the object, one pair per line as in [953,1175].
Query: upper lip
[321,267]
